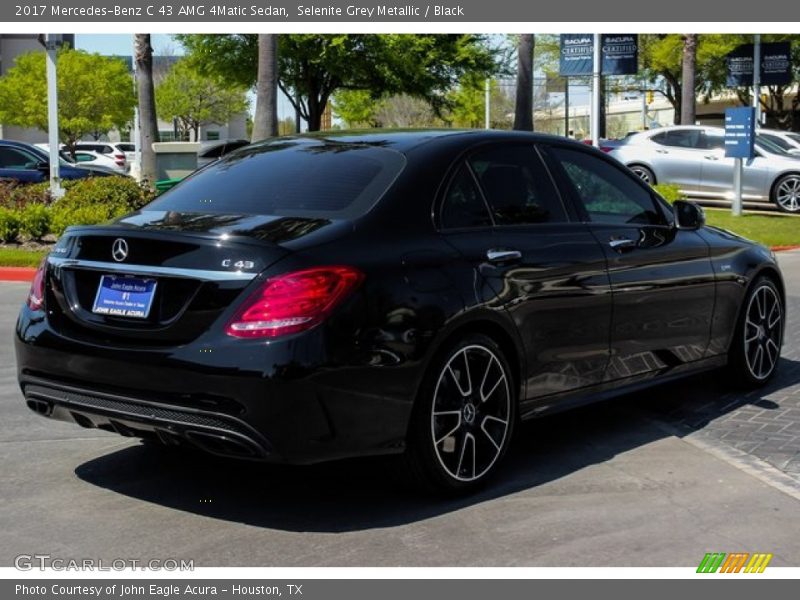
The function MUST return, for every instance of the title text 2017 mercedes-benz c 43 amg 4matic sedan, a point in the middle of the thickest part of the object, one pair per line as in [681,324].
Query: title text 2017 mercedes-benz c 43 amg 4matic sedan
[419,293]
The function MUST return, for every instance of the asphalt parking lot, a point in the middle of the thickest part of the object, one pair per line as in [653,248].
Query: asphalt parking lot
[655,479]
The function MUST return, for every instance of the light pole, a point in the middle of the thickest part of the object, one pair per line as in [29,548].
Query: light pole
[757,77]
[596,82]
[52,42]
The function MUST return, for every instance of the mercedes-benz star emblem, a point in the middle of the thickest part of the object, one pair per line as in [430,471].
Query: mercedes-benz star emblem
[119,250]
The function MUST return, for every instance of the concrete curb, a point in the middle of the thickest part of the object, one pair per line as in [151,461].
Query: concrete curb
[17,273]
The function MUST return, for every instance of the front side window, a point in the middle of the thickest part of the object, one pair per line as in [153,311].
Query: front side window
[11,158]
[516,185]
[609,194]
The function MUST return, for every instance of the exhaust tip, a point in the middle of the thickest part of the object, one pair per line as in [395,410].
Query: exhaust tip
[42,407]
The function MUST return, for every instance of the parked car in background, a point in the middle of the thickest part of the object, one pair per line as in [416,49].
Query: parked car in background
[693,158]
[31,164]
[129,149]
[95,159]
[212,150]
[115,150]
[787,140]
[414,293]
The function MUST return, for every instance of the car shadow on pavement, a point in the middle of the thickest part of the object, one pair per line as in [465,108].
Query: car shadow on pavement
[362,494]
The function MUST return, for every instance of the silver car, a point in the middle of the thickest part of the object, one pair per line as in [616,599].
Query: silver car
[693,158]
[788,140]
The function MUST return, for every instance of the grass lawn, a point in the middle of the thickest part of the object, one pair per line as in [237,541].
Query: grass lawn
[770,230]
[17,257]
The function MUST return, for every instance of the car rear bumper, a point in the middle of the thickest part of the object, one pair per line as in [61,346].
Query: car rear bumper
[291,401]
[132,417]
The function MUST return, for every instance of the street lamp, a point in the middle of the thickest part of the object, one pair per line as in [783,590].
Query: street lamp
[52,42]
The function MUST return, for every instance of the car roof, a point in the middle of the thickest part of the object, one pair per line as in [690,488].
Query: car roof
[16,144]
[407,140]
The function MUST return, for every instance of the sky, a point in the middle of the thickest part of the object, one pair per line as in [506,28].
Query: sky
[122,44]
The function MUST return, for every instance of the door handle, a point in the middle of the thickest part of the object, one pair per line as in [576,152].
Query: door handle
[711,157]
[498,255]
[660,151]
[622,244]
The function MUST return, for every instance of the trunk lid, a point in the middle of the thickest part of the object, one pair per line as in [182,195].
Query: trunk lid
[192,265]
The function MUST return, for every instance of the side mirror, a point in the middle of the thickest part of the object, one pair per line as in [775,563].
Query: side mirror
[688,215]
[43,165]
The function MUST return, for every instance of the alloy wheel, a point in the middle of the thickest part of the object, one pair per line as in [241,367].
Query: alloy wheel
[787,193]
[762,332]
[471,413]
[642,173]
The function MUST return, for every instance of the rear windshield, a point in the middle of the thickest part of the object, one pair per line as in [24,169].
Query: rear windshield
[293,177]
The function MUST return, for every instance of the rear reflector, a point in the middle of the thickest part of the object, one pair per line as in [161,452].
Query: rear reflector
[294,302]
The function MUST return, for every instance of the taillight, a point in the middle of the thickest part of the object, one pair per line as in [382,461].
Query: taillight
[119,159]
[293,302]
[35,299]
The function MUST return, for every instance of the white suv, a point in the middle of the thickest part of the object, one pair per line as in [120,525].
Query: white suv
[118,151]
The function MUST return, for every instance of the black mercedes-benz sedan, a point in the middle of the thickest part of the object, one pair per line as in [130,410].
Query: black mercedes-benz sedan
[419,293]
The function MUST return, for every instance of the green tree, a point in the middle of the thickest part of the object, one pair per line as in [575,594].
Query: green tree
[688,79]
[523,111]
[193,99]
[780,103]
[95,94]
[357,108]
[313,67]
[661,60]
[145,88]
[265,122]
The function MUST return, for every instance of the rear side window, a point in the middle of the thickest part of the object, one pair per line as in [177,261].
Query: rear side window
[778,141]
[516,186]
[463,205]
[608,194]
[303,177]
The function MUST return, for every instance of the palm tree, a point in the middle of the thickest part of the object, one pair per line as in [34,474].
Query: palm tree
[688,97]
[265,122]
[148,122]
[523,111]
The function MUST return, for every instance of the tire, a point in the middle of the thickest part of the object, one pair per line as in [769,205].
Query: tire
[643,173]
[463,417]
[786,193]
[756,345]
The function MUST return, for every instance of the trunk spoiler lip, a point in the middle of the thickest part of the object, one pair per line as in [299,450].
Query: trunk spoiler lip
[171,235]
[151,270]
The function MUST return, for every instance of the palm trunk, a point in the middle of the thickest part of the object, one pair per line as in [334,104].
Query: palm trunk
[148,122]
[688,98]
[265,121]
[523,110]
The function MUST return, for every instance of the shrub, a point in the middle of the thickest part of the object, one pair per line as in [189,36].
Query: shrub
[116,192]
[18,195]
[35,221]
[9,224]
[669,191]
[62,216]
